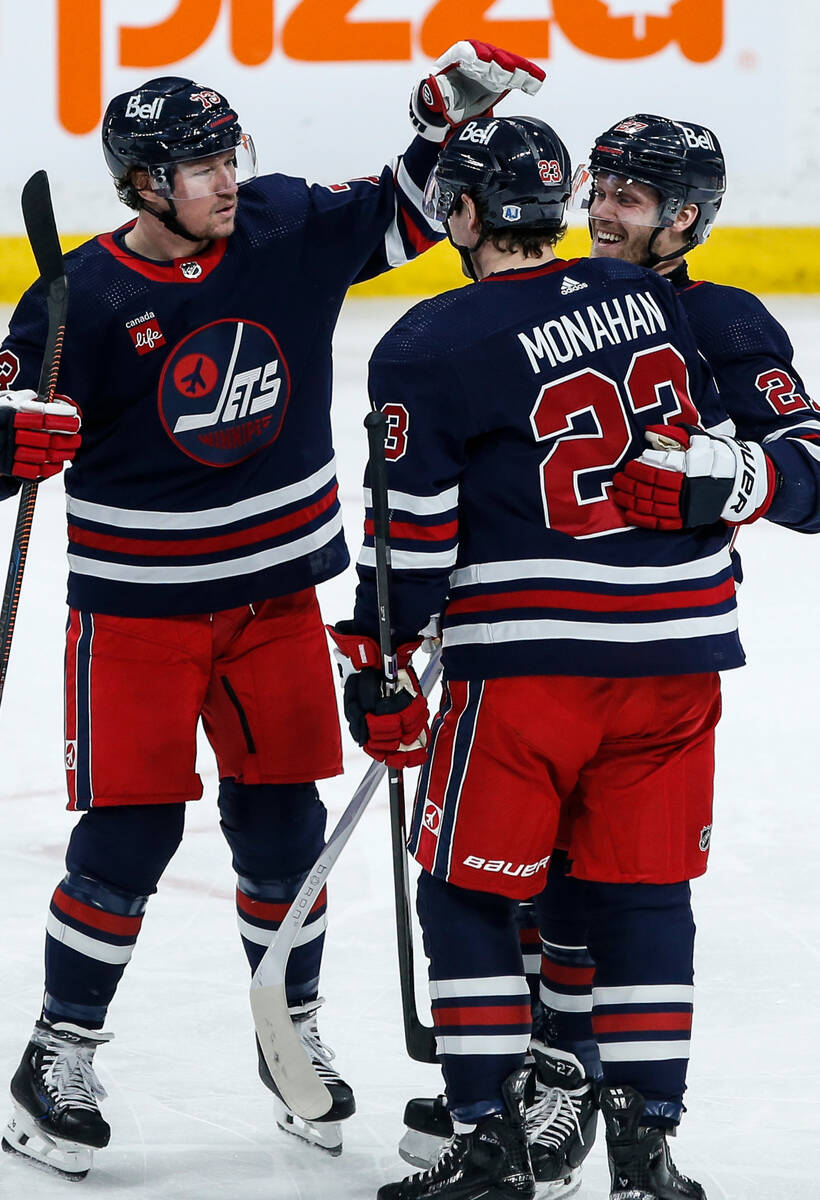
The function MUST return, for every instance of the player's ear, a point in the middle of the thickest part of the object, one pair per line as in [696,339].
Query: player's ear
[471,212]
[685,218]
[141,182]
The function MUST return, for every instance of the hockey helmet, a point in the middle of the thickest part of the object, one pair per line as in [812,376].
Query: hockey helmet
[681,160]
[168,121]
[517,167]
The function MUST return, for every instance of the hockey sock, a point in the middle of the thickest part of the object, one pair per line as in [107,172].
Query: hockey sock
[526,920]
[642,939]
[115,858]
[276,832]
[566,966]
[480,998]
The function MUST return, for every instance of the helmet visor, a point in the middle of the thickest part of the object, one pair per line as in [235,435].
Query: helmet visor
[606,197]
[206,175]
[440,197]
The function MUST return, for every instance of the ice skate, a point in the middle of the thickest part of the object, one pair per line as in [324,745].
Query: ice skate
[57,1122]
[640,1164]
[490,1163]
[561,1123]
[561,1120]
[326,1132]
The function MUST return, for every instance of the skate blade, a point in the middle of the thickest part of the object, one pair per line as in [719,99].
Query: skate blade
[25,1138]
[324,1135]
[420,1149]
[559,1189]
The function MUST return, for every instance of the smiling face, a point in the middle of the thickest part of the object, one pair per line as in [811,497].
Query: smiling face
[623,216]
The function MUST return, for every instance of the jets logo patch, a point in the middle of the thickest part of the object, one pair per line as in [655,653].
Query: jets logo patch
[223,392]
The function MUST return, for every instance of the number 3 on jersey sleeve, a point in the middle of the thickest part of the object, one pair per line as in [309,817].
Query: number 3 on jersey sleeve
[591,429]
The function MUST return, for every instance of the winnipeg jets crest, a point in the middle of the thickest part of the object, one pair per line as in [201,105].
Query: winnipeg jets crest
[223,392]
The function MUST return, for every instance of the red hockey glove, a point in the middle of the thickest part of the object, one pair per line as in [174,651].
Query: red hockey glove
[392,729]
[36,438]
[691,478]
[466,82]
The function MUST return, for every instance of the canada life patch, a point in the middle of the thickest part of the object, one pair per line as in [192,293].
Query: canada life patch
[223,392]
[145,332]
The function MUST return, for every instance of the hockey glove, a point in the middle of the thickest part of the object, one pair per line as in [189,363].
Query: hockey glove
[36,438]
[691,478]
[391,728]
[466,82]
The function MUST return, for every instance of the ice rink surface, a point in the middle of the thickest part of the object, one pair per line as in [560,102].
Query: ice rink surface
[190,1119]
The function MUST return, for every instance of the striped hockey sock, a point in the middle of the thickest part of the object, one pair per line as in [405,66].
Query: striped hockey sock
[260,910]
[91,932]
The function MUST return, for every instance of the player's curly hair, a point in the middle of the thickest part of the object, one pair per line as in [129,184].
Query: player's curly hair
[127,192]
[529,242]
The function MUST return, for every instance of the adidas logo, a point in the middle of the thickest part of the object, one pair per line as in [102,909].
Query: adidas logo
[571,285]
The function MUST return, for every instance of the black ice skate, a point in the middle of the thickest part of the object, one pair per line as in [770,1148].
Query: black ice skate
[325,1132]
[640,1164]
[561,1121]
[57,1121]
[490,1163]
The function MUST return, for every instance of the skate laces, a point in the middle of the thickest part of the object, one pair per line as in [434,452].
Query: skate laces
[321,1055]
[552,1119]
[70,1077]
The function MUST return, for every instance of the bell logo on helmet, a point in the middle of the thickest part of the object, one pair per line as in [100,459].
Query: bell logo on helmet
[697,140]
[473,132]
[148,111]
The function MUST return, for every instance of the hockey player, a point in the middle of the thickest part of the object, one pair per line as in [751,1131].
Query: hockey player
[202,512]
[652,190]
[580,654]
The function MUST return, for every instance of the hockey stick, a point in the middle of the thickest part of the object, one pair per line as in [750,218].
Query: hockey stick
[38,216]
[298,1083]
[418,1038]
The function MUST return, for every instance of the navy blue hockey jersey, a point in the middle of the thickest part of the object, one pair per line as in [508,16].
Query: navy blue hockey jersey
[750,356]
[206,475]
[511,405]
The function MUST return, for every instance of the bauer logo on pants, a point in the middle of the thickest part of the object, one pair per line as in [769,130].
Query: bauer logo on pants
[223,392]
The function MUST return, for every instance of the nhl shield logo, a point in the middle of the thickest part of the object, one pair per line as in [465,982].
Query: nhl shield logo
[70,756]
[191,270]
[705,837]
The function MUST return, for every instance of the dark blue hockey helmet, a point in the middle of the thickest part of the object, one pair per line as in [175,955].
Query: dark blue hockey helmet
[681,160]
[167,121]
[516,167]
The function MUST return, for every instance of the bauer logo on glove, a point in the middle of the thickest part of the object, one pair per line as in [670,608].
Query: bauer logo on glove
[689,477]
[466,82]
[37,437]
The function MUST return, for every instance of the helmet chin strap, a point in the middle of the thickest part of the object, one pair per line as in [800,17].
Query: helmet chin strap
[169,218]
[466,252]
[654,260]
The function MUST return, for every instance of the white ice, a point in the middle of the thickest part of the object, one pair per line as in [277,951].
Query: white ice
[190,1119]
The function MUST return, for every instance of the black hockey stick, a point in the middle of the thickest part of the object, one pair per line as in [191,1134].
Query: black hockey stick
[419,1038]
[38,216]
[295,1077]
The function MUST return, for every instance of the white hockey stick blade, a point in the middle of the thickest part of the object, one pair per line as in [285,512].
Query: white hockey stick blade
[292,1071]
